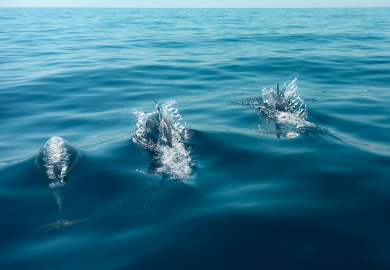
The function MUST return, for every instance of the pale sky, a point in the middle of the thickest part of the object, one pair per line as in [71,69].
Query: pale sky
[196,3]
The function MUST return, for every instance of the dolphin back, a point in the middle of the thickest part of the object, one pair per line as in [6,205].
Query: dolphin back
[167,130]
[152,127]
[158,128]
[57,158]
[281,102]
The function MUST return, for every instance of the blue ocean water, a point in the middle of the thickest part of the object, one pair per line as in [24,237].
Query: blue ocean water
[249,187]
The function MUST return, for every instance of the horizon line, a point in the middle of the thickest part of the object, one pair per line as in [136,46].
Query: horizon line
[190,7]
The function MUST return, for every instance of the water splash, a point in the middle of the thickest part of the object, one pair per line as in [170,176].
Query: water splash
[284,108]
[55,161]
[174,162]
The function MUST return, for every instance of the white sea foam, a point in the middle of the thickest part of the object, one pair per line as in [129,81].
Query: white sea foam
[55,153]
[174,162]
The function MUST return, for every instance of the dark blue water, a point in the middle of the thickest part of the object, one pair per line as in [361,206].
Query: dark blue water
[249,188]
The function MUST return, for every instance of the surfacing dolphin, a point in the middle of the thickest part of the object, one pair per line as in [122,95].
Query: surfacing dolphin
[158,129]
[281,107]
[55,161]
[281,102]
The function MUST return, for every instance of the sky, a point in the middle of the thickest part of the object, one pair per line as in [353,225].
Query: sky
[196,3]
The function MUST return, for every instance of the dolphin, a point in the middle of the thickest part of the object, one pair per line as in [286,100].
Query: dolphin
[55,161]
[281,102]
[158,128]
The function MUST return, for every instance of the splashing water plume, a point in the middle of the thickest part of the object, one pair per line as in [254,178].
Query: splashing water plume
[174,162]
[289,119]
[284,108]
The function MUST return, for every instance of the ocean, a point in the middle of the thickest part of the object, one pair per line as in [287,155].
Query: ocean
[272,148]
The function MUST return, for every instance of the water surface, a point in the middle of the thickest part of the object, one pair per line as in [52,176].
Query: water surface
[250,199]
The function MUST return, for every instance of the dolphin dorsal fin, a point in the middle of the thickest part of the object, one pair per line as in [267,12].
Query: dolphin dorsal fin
[277,89]
[158,110]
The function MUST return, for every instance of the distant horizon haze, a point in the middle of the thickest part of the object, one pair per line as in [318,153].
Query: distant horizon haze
[198,4]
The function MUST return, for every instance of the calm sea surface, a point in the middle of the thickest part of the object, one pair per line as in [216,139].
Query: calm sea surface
[248,188]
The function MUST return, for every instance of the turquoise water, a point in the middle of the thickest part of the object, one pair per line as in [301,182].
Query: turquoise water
[244,186]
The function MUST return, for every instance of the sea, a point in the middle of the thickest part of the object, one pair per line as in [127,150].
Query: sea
[273,138]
